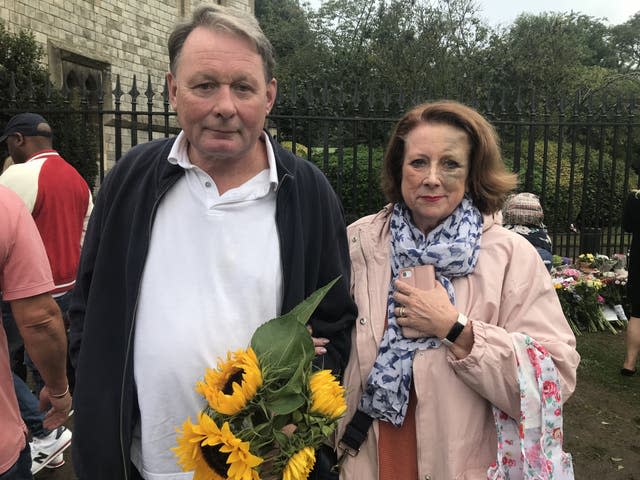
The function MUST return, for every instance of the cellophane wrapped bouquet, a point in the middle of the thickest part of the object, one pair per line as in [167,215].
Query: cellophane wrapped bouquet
[268,409]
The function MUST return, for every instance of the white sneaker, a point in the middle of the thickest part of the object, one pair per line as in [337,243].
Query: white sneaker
[46,450]
[56,462]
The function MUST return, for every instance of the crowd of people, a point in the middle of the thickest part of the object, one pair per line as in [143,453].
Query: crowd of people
[461,373]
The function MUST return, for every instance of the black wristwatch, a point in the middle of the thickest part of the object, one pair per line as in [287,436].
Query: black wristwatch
[455,331]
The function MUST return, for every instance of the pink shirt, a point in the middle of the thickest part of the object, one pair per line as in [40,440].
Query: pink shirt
[24,272]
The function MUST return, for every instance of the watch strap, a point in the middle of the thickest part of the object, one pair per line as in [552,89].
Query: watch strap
[455,331]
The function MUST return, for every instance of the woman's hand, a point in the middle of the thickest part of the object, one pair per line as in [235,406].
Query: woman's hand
[424,313]
[319,343]
[429,313]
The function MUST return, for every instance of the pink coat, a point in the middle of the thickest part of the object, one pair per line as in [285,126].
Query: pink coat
[509,291]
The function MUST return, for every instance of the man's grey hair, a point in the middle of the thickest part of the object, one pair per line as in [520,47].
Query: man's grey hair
[221,19]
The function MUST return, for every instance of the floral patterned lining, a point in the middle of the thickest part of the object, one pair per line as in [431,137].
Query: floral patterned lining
[531,448]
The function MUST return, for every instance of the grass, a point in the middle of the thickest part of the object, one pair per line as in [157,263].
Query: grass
[602,354]
[602,418]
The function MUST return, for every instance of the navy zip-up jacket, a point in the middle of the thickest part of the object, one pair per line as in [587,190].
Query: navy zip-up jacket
[314,251]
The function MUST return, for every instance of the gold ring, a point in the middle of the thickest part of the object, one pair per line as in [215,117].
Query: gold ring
[402,311]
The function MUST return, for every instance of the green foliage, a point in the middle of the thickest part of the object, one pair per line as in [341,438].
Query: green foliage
[299,53]
[20,55]
[444,48]
[560,184]
[626,40]
[356,179]
[74,135]
[545,52]
[301,150]
[284,343]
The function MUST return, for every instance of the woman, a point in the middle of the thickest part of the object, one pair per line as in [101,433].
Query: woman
[430,399]
[631,224]
[523,214]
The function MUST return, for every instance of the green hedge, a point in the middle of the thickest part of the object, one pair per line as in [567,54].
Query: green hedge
[357,184]
[598,205]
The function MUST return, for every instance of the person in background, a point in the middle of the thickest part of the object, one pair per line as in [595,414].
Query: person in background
[55,193]
[523,214]
[194,242]
[429,366]
[60,202]
[631,224]
[8,161]
[25,282]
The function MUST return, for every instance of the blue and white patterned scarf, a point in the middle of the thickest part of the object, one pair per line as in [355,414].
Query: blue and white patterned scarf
[452,247]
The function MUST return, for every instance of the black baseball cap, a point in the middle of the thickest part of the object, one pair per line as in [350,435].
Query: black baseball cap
[26,124]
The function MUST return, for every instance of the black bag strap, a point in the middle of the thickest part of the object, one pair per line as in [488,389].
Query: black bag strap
[353,437]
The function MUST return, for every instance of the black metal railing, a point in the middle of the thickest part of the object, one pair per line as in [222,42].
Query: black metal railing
[576,155]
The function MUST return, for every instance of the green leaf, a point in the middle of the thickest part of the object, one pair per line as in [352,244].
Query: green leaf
[290,396]
[280,437]
[284,343]
[303,311]
[285,403]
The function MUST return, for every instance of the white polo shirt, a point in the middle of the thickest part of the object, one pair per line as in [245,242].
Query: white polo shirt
[213,274]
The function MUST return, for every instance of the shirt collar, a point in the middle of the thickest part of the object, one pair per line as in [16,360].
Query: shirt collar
[41,154]
[179,156]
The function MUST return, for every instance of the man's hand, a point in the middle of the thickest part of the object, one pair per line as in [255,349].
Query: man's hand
[57,409]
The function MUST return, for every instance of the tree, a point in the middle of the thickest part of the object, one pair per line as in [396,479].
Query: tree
[547,53]
[345,27]
[626,41]
[25,86]
[20,55]
[300,56]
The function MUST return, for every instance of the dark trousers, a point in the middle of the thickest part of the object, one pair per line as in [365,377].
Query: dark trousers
[135,474]
[29,408]
[21,470]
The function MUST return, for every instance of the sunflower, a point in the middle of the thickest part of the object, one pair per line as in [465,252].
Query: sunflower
[327,395]
[189,451]
[233,384]
[239,458]
[299,465]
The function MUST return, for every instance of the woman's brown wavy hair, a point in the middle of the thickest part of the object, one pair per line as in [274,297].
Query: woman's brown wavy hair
[489,182]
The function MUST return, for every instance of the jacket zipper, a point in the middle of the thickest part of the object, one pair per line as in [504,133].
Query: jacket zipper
[278,188]
[130,338]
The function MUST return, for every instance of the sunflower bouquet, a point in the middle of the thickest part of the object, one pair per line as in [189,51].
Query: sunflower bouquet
[268,409]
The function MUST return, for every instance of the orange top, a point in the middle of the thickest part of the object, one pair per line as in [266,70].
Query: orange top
[397,448]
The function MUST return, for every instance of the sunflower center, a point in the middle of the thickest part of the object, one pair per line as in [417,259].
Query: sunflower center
[216,460]
[236,377]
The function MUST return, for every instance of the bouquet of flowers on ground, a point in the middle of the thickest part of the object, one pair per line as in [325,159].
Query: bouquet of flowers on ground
[614,288]
[581,301]
[603,263]
[268,409]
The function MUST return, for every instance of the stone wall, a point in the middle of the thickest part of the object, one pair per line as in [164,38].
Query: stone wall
[114,37]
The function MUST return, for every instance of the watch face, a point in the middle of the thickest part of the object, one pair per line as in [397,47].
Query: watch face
[457,328]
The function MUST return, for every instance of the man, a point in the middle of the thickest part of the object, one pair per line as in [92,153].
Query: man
[59,200]
[57,196]
[25,280]
[194,242]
